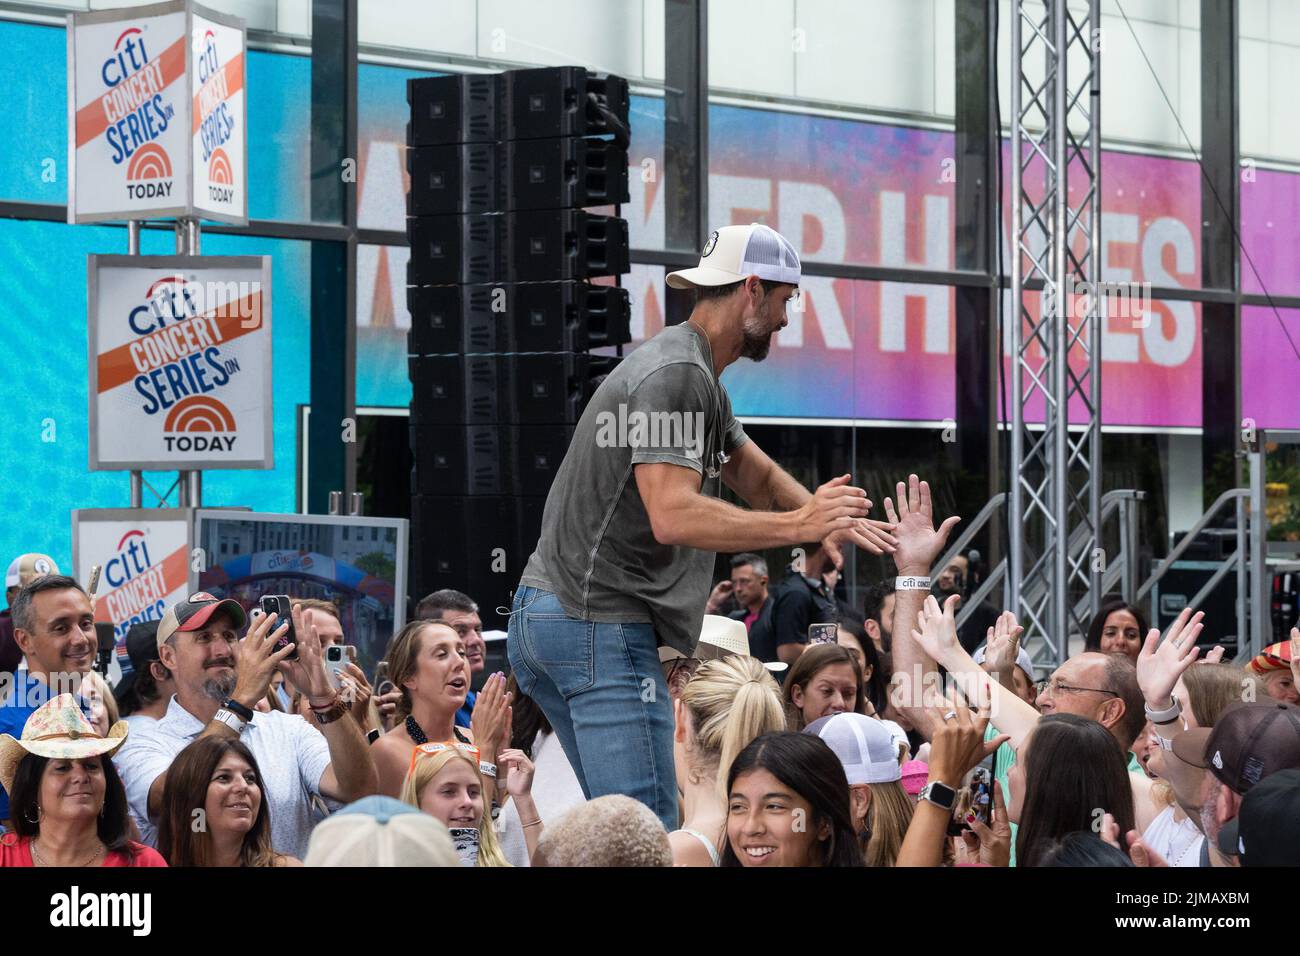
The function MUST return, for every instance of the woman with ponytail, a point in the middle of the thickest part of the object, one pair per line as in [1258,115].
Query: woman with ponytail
[726,705]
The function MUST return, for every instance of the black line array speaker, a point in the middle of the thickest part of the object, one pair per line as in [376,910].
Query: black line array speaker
[512,283]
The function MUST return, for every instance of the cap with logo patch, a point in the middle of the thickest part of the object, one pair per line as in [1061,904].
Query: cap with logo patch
[734,253]
[1248,743]
[26,568]
[193,613]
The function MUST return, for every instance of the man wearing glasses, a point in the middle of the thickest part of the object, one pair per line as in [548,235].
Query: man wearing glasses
[1100,687]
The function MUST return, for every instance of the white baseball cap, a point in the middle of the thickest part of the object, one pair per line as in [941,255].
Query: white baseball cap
[719,637]
[865,746]
[734,253]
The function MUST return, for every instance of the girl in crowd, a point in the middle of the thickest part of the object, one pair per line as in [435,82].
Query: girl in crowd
[1274,670]
[788,805]
[67,803]
[722,708]
[219,776]
[1204,690]
[1118,628]
[445,782]
[1068,769]
[881,809]
[427,663]
[824,680]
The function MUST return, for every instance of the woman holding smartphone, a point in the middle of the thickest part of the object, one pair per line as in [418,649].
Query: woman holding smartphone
[428,665]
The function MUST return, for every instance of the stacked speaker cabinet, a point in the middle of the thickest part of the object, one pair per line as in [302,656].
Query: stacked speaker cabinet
[515,306]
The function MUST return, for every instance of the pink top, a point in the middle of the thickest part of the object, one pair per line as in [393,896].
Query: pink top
[17,851]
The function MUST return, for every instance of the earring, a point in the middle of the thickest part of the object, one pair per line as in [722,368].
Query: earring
[40,814]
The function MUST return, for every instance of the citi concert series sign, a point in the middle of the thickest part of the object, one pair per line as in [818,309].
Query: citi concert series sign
[180,362]
[144,557]
[157,114]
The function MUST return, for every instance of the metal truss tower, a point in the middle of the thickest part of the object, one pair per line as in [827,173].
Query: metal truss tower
[1055,495]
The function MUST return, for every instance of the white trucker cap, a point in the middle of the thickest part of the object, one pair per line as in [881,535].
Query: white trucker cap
[735,252]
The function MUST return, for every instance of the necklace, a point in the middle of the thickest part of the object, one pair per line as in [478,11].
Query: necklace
[414,729]
[40,861]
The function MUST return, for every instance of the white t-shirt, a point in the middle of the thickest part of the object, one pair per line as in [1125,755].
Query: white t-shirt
[1178,841]
[291,757]
[555,791]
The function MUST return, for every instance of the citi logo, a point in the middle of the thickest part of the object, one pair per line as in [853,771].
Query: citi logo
[149,173]
[74,908]
[127,58]
[193,423]
[221,178]
[132,559]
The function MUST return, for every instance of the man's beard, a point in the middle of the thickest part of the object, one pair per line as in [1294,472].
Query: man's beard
[755,344]
[220,688]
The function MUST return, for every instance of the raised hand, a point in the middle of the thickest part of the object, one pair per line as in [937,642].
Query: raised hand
[936,628]
[256,659]
[1295,655]
[517,769]
[308,672]
[919,544]
[957,742]
[1002,645]
[1161,663]
[721,591]
[491,717]
[834,506]
[867,533]
[988,843]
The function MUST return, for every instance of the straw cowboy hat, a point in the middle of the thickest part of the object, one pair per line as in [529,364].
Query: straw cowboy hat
[719,637]
[57,729]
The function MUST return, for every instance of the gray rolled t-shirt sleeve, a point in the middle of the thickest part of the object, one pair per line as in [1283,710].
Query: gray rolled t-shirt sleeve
[668,414]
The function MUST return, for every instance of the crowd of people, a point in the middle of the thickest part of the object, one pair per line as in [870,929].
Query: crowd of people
[890,745]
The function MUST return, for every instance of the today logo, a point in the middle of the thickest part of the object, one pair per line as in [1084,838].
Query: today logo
[195,424]
[149,173]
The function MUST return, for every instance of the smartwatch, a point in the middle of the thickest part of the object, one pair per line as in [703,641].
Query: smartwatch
[238,709]
[940,794]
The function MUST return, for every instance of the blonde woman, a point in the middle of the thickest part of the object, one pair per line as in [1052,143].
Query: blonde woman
[727,704]
[444,781]
[427,663]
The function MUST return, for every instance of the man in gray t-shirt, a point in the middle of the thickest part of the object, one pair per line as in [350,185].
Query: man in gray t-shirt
[633,521]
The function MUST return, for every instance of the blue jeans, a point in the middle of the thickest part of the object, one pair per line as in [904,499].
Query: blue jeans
[602,688]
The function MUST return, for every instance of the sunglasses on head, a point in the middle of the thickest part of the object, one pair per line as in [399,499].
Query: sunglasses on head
[428,750]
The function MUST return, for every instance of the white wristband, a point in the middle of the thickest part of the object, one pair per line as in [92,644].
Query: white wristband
[912,584]
[230,719]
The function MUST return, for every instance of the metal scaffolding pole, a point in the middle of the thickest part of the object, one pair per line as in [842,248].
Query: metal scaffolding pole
[1055,503]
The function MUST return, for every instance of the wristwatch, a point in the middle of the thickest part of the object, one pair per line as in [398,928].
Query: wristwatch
[230,719]
[940,794]
[238,709]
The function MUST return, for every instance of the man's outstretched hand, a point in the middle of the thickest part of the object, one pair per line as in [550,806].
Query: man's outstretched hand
[919,543]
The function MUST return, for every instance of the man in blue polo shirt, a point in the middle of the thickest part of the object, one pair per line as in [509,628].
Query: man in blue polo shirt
[54,626]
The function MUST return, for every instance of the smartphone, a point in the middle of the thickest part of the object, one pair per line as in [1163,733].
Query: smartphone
[337,658]
[465,839]
[822,633]
[974,796]
[281,606]
[382,684]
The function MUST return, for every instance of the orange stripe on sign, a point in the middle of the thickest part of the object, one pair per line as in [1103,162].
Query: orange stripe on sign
[117,367]
[234,77]
[92,119]
[160,580]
